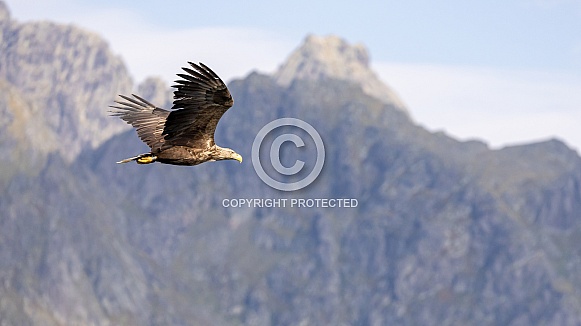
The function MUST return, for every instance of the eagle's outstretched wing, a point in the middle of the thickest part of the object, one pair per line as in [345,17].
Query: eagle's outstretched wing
[146,118]
[201,98]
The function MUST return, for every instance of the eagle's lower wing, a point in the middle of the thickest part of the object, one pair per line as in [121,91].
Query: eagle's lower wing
[146,118]
[201,98]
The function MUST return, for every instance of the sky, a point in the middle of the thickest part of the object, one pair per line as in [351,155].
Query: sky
[505,72]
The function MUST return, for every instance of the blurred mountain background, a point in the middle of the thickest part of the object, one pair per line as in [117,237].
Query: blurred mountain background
[446,232]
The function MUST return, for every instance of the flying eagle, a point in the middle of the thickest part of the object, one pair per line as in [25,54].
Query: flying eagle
[184,136]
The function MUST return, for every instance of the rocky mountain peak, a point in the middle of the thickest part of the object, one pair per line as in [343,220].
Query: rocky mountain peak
[64,74]
[321,57]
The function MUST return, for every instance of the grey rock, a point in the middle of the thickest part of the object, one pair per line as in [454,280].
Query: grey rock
[154,90]
[67,76]
[445,233]
[320,58]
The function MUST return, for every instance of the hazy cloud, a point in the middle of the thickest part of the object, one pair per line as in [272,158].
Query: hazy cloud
[499,106]
[148,49]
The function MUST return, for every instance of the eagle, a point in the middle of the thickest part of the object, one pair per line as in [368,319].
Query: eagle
[184,135]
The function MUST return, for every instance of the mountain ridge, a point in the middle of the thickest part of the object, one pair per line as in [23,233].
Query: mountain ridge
[67,75]
[319,57]
[445,231]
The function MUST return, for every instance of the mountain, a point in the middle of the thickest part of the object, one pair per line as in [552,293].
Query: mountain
[62,75]
[444,232]
[320,58]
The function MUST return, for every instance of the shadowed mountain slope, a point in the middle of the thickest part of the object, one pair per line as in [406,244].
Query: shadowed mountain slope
[445,232]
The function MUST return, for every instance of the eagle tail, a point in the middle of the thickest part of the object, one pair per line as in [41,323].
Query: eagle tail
[140,159]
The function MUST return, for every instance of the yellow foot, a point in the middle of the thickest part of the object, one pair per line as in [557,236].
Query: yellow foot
[146,159]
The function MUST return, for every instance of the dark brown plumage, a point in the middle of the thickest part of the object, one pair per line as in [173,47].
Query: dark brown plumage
[184,136]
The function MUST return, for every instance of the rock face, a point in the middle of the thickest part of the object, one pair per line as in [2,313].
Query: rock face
[445,232]
[65,76]
[156,91]
[320,58]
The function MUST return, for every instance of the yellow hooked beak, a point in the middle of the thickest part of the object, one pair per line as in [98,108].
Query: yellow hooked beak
[238,158]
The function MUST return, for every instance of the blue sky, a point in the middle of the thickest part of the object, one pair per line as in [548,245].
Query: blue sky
[502,71]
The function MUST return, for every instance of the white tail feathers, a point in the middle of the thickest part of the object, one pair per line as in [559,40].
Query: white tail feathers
[128,160]
[141,159]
